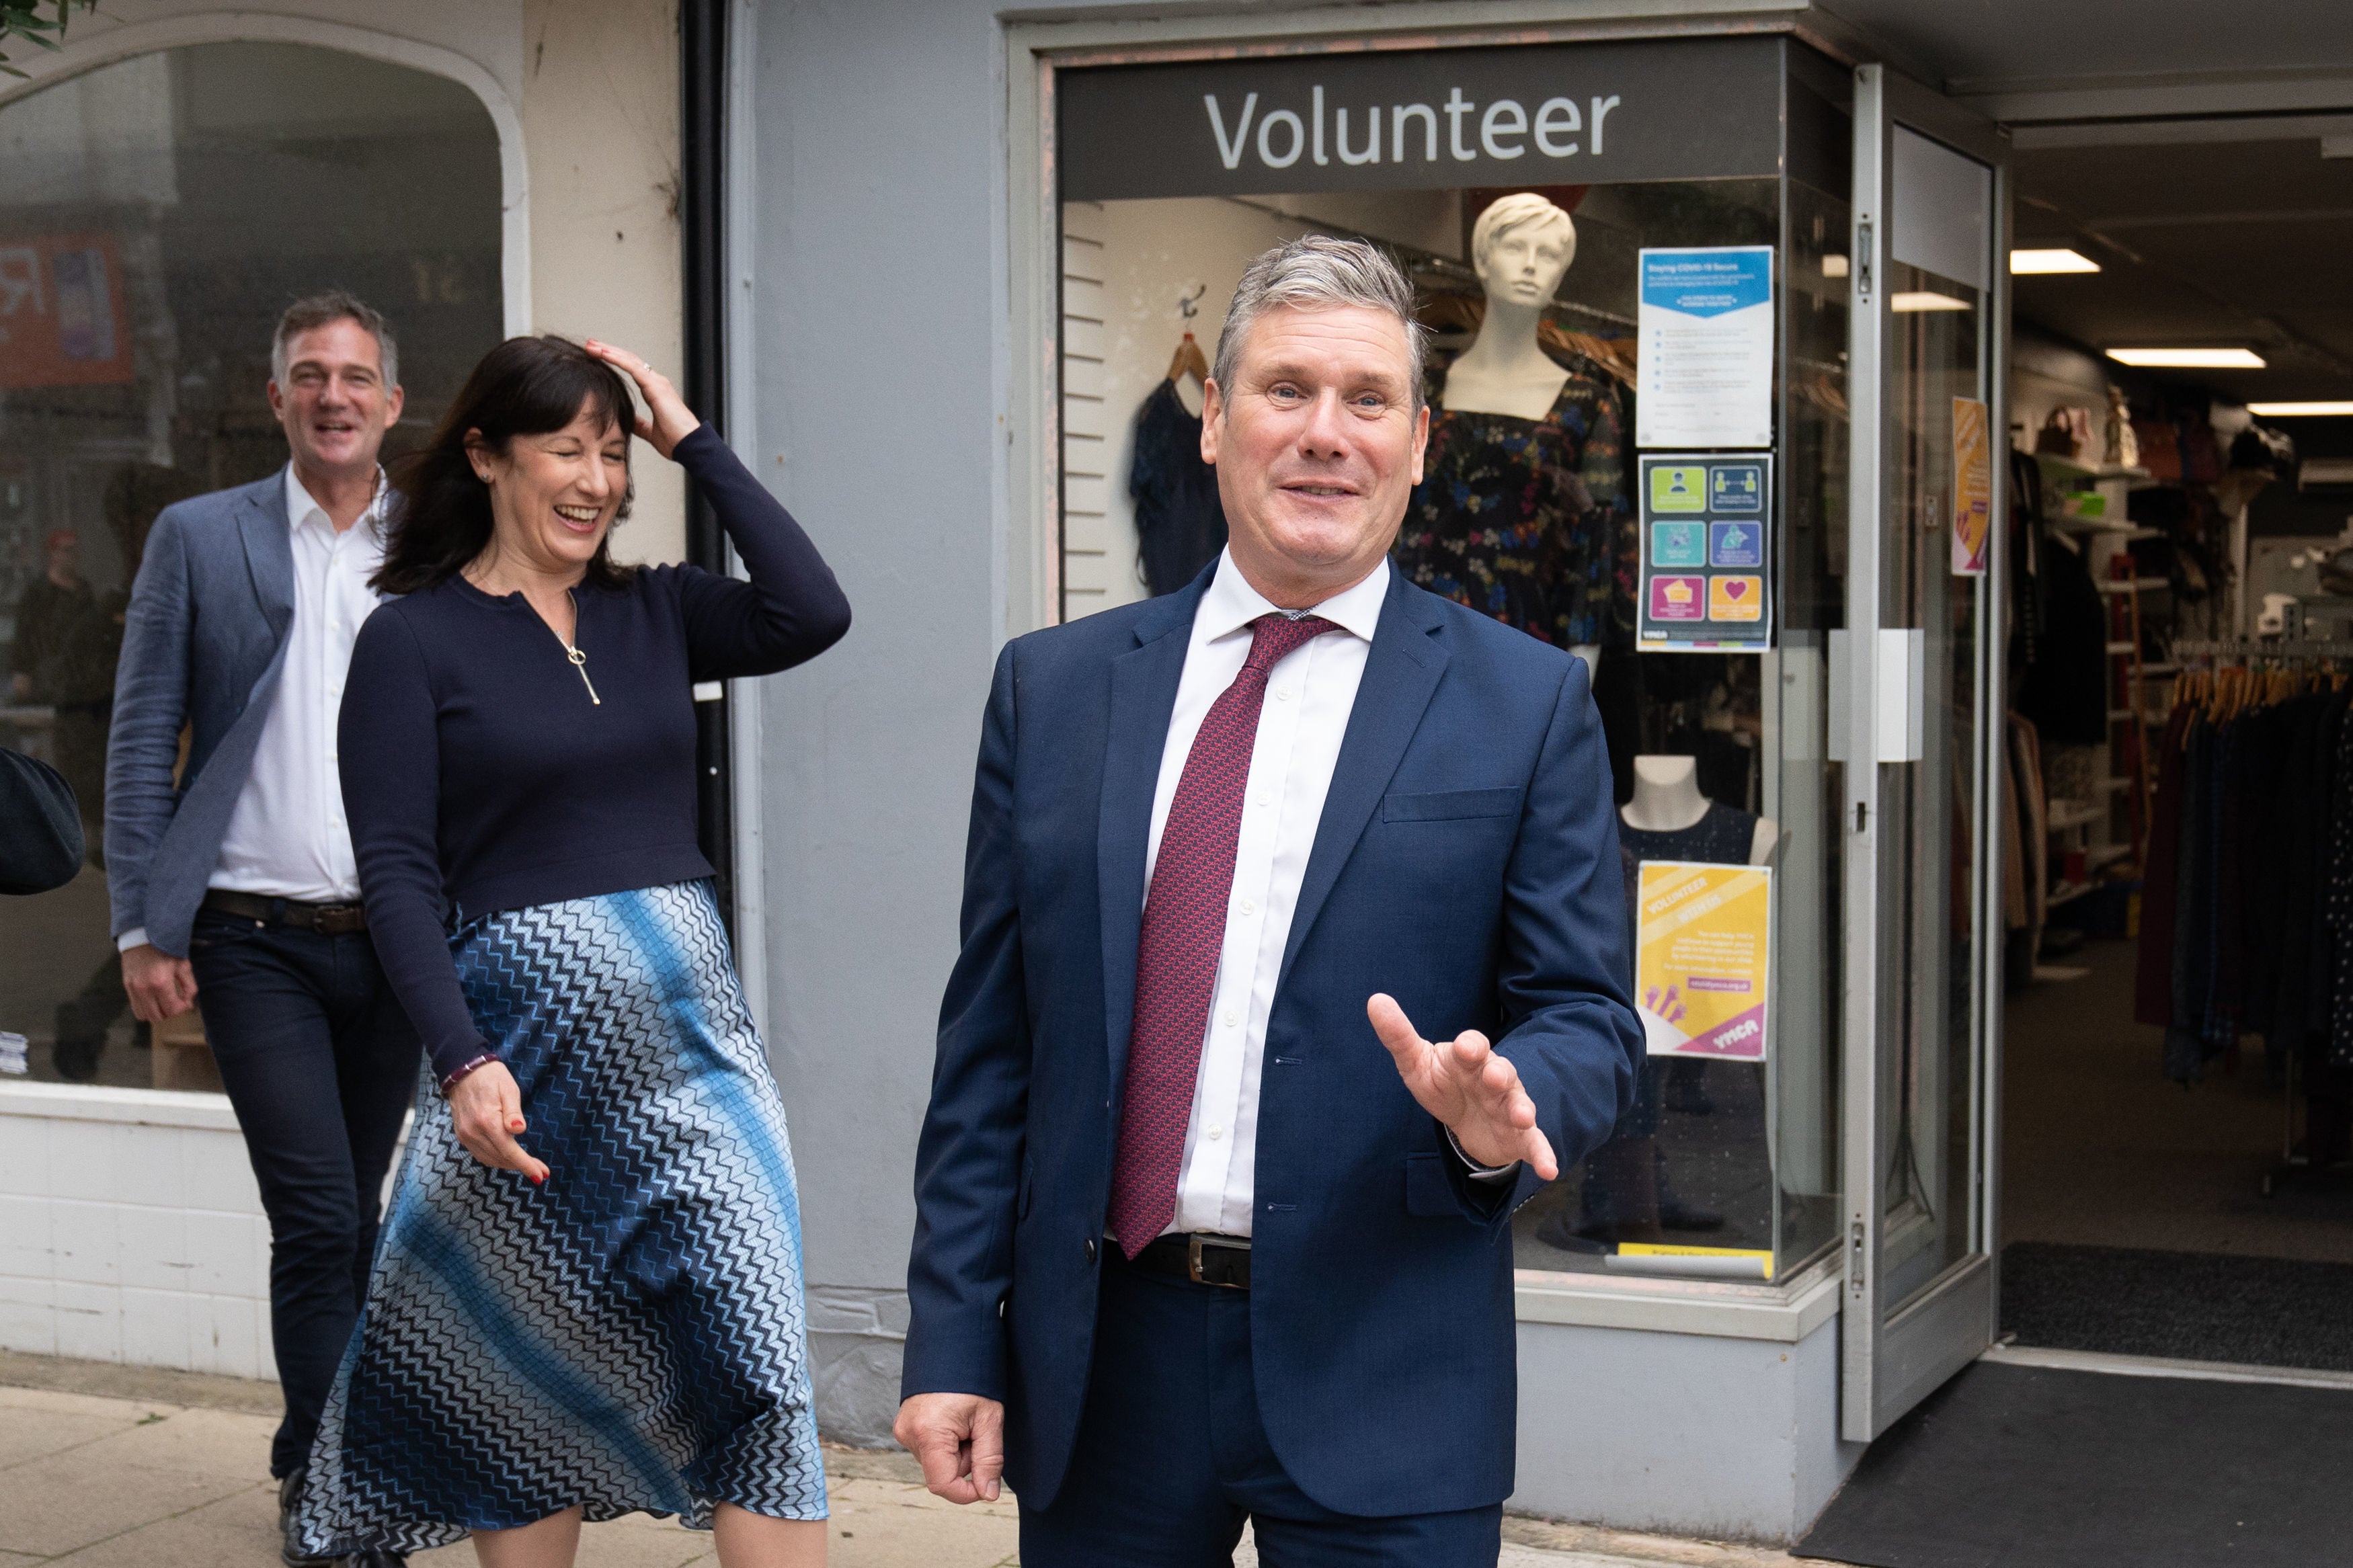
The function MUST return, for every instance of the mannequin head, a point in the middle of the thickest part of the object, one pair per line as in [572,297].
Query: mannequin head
[1521,247]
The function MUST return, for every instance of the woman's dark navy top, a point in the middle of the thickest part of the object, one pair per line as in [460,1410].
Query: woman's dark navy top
[477,776]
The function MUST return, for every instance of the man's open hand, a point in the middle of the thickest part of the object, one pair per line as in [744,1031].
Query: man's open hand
[959,1438]
[1475,1093]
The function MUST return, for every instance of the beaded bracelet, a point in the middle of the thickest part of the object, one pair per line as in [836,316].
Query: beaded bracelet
[450,1082]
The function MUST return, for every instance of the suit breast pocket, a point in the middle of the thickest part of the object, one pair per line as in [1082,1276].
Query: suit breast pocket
[1452,805]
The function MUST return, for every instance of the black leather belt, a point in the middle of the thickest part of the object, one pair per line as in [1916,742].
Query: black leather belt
[1204,1259]
[327,919]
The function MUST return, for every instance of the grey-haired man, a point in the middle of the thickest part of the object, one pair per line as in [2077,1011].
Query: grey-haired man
[233,884]
[1207,1231]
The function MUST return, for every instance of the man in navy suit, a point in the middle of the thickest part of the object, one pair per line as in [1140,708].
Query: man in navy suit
[231,874]
[1206,1230]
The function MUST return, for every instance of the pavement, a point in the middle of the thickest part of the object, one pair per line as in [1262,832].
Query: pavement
[109,1466]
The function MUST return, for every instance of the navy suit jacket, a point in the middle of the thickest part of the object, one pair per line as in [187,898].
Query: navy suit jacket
[1466,863]
[202,642]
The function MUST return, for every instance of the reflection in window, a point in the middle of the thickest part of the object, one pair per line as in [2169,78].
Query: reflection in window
[155,217]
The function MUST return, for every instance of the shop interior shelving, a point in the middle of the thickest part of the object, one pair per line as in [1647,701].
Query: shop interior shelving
[2108,828]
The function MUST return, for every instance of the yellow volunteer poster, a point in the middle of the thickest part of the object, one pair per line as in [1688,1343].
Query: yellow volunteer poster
[1703,949]
[1972,488]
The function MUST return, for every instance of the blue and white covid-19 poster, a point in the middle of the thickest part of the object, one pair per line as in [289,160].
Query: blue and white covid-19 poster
[1706,329]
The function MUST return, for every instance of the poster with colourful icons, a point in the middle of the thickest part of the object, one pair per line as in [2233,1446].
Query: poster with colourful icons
[1706,582]
[1703,954]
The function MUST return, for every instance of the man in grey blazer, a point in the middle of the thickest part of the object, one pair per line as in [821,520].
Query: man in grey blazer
[231,873]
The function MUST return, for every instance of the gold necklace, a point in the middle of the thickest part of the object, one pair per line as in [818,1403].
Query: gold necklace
[572,651]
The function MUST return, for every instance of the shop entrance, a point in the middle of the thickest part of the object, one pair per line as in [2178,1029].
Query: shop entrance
[2179,1038]
[2173,1202]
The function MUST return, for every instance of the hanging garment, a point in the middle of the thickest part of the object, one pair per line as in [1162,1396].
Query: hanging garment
[2027,548]
[2320,956]
[2185,1056]
[1180,525]
[2296,846]
[1529,521]
[2016,911]
[2034,828]
[2066,689]
[2153,971]
[2340,900]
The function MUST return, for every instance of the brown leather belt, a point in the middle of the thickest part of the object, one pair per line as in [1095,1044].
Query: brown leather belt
[1204,1259]
[327,919]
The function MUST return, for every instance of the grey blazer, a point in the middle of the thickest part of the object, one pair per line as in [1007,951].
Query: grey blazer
[202,642]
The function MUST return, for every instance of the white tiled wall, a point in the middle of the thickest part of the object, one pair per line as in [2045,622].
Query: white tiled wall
[130,1230]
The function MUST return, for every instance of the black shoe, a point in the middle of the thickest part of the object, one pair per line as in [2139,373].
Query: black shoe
[77,1060]
[1554,1230]
[1676,1214]
[289,1551]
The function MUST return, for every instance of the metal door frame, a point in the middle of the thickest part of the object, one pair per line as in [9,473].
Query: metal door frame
[1889,1363]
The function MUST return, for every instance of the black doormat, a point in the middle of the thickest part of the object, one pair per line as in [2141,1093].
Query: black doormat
[2021,1466]
[2188,1306]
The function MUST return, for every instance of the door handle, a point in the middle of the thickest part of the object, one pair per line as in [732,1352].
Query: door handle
[1899,695]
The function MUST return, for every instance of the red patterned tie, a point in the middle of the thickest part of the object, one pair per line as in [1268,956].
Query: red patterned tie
[1184,927]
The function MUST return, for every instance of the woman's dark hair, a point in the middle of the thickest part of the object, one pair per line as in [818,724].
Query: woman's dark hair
[525,386]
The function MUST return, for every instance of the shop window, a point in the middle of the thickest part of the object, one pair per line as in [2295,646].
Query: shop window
[155,217]
[1175,176]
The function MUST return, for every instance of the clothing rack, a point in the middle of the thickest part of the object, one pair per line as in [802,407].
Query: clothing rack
[2291,1168]
[2263,647]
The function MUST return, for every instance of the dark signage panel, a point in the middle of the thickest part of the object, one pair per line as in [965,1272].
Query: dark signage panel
[1545,114]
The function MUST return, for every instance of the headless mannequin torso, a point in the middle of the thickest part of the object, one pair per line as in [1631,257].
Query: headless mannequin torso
[1667,800]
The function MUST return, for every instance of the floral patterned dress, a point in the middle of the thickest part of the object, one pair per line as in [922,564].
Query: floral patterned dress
[1528,519]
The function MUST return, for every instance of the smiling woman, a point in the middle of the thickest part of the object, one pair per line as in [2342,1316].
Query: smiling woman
[583,1017]
[517,442]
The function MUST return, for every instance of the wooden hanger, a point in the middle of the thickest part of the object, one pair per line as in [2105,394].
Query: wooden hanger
[1189,360]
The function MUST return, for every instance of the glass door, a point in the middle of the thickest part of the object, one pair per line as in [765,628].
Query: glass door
[1930,308]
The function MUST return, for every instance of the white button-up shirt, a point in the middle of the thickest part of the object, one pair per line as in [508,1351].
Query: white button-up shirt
[1310,694]
[287,837]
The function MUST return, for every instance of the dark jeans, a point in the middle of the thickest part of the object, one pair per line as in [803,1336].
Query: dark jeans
[1172,1456]
[320,1062]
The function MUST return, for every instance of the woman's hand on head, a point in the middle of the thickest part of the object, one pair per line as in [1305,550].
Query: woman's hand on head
[668,420]
[486,1109]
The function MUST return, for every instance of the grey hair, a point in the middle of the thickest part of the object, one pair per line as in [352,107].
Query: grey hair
[1317,271]
[325,310]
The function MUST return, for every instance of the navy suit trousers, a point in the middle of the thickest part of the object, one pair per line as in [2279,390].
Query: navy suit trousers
[320,1063]
[1172,1456]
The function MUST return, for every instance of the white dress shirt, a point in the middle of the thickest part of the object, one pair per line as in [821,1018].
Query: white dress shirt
[1310,694]
[287,837]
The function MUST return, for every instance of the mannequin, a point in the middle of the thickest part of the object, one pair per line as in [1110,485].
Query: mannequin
[1528,246]
[1506,371]
[1522,509]
[1667,800]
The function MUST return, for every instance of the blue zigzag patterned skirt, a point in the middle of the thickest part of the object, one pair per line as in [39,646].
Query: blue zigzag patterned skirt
[628,1337]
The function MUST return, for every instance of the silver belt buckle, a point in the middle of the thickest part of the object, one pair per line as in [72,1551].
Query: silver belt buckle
[1193,1245]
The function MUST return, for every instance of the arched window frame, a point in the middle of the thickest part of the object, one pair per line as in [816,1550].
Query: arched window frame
[88,46]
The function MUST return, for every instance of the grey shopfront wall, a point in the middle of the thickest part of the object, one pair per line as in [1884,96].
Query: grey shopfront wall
[892,275]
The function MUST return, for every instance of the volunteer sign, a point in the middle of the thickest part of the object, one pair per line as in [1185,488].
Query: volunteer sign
[1422,119]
